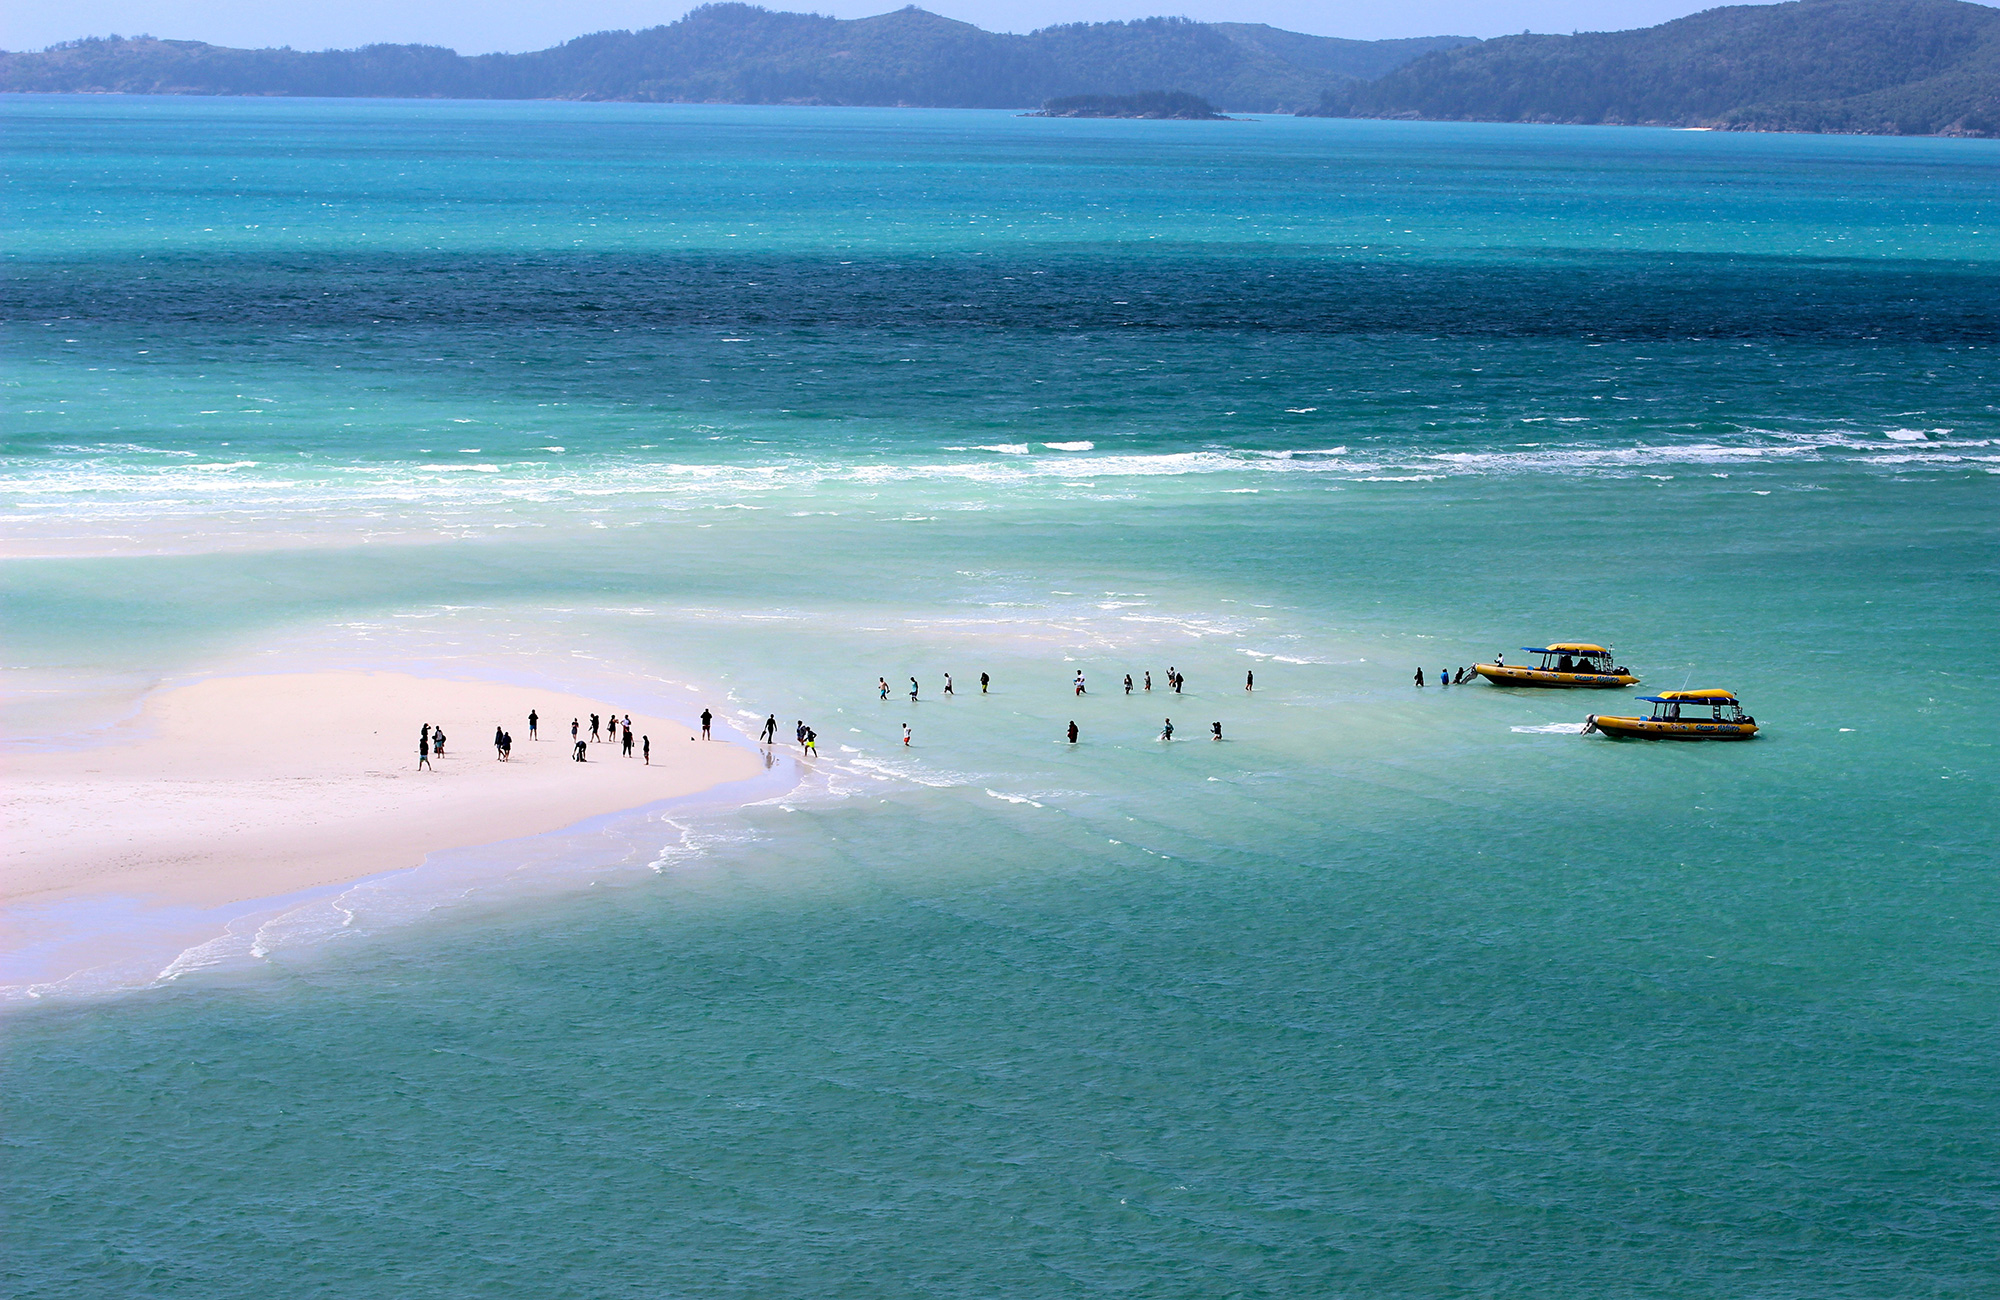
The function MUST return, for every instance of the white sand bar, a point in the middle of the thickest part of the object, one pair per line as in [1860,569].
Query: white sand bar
[248,787]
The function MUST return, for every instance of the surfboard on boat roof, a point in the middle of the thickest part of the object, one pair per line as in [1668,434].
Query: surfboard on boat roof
[1710,714]
[1563,663]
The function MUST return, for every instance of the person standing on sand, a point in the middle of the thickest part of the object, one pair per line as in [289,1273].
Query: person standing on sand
[811,743]
[593,727]
[506,746]
[534,719]
[771,725]
[437,741]
[1072,731]
[426,734]
[628,722]
[707,719]
[628,742]
[646,749]
[573,725]
[424,752]
[498,736]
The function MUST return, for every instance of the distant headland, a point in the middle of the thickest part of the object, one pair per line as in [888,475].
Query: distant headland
[1857,67]
[740,54]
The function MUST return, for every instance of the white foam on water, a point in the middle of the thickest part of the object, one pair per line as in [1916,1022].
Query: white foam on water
[102,497]
[1553,729]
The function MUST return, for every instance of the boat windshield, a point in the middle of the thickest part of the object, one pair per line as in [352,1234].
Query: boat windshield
[1697,711]
[1573,661]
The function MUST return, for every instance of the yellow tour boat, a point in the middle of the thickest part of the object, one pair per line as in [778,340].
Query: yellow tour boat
[1568,663]
[1682,715]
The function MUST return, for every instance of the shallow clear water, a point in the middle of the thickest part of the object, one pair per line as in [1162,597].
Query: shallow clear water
[1392,993]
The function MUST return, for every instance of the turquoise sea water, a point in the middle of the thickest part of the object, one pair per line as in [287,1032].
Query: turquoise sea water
[1393,993]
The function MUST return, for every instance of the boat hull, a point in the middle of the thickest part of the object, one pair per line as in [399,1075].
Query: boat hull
[1685,729]
[1505,676]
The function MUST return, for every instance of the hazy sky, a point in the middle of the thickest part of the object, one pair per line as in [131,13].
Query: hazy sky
[479,26]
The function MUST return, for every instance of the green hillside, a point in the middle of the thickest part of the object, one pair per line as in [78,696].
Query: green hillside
[1911,67]
[736,53]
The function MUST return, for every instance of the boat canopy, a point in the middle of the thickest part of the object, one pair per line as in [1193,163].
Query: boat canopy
[1711,693]
[1567,648]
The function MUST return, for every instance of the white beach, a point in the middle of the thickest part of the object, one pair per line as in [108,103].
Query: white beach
[249,787]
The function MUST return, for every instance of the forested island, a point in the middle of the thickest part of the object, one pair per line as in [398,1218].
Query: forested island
[1876,67]
[1154,105]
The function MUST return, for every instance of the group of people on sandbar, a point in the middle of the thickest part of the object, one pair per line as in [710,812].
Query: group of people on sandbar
[622,734]
[429,741]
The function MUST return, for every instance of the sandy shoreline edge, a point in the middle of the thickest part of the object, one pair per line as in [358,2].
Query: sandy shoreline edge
[242,790]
